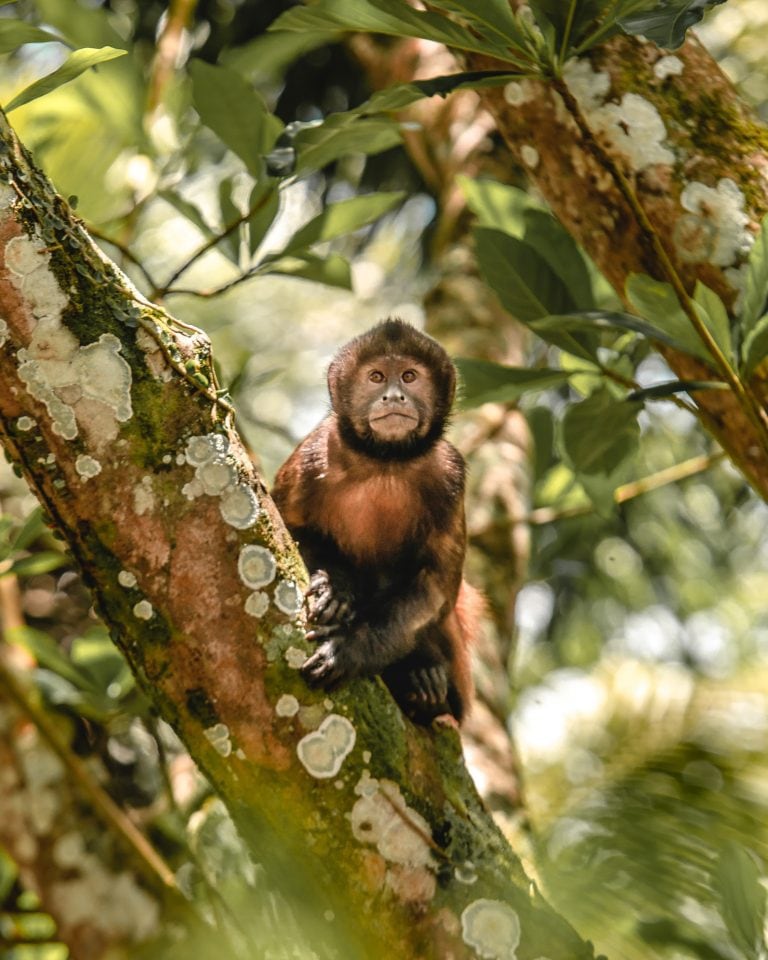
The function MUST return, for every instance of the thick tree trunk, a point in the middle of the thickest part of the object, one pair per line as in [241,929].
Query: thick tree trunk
[111,410]
[655,166]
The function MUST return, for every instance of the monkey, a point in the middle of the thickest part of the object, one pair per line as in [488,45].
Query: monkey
[374,497]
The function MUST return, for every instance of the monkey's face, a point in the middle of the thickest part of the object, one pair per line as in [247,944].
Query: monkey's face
[392,398]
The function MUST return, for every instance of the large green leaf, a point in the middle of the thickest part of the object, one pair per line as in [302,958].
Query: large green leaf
[318,146]
[393,17]
[15,33]
[230,106]
[756,290]
[568,18]
[591,320]
[520,277]
[332,270]
[488,17]
[714,316]
[340,218]
[659,305]
[560,250]
[737,879]
[75,64]
[665,22]
[497,205]
[485,382]
[598,437]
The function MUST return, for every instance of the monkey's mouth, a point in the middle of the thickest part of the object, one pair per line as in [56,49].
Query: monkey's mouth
[395,415]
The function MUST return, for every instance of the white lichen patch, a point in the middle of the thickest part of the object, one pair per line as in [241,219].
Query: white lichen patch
[127,579]
[517,93]
[669,66]
[287,706]
[216,475]
[239,506]
[633,127]
[257,566]
[3,332]
[55,368]
[715,229]
[382,817]
[492,929]
[529,156]
[295,657]
[143,497]
[68,850]
[218,737]
[143,610]
[26,423]
[288,597]
[257,604]
[87,466]
[323,751]
[466,872]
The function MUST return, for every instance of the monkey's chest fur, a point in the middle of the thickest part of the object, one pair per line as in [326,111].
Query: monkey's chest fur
[371,518]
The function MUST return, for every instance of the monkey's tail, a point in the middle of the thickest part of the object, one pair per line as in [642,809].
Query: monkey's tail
[470,609]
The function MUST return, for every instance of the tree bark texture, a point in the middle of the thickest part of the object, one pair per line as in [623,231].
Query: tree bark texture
[655,166]
[111,410]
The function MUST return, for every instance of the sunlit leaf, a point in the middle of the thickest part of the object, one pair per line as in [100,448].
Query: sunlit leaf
[230,106]
[737,879]
[393,18]
[38,563]
[30,530]
[497,205]
[265,203]
[714,316]
[486,382]
[340,218]
[522,280]
[332,270]
[659,305]
[320,145]
[552,242]
[756,289]
[75,64]
[15,33]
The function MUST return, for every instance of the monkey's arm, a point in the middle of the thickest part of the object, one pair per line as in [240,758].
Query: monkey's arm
[389,634]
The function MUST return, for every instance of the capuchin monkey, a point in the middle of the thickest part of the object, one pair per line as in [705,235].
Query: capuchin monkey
[374,496]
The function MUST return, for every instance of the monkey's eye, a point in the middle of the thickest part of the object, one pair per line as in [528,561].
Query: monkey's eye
[409,376]
[376,376]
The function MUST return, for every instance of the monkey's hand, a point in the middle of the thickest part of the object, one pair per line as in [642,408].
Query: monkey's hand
[329,604]
[330,665]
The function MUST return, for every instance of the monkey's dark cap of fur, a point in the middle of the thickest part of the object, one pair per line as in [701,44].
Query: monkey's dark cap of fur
[395,336]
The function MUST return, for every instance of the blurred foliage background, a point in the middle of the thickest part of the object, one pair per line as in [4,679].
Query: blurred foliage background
[632,675]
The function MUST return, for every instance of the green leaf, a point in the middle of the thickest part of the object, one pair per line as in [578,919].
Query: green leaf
[323,144]
[230,106]
[591,320]
[556,13]
[265,203]
[598,437]
[15,33]
[736,879]
[37,563]
[755,348]
[665,22]
[714,316]
[187,210]
[522,280]
[659,305]
[48,654]
[578,338]
[332,270]
[756,290]
[340,218]
[230,244]
[486,382]
[497,205]
[392,18]
[671,387]
[489,17]
[560,250]
[30,530]
[75,64]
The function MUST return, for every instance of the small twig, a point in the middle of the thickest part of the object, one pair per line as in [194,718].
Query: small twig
[627,491]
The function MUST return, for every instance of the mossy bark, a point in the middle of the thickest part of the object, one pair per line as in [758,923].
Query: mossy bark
[106,404]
